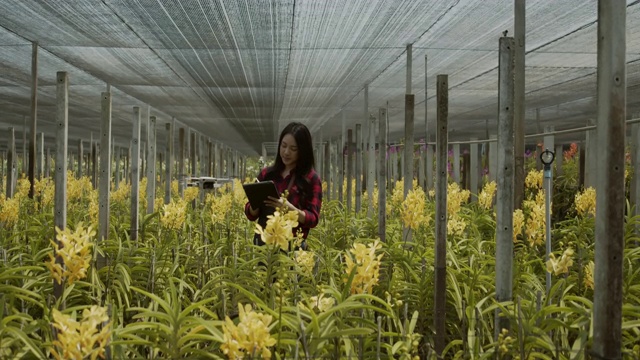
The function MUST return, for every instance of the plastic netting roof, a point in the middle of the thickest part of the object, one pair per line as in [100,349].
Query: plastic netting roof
[238,70]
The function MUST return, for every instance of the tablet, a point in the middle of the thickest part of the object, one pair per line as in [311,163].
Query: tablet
[258,192]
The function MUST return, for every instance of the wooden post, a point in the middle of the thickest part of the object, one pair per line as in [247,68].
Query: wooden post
[60,196]
[610,191]
[382,173]
[34,118]
[505,179]
[169,166]
[151,164]
[105,173]
[349,167]
[135,173]
[519,105]
[11,163]
[442,95]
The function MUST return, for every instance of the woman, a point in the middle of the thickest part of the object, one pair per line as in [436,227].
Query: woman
[294,171]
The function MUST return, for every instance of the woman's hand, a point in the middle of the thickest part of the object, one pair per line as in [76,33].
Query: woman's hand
[277,203]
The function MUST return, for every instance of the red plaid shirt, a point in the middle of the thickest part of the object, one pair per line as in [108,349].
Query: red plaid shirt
[311,206]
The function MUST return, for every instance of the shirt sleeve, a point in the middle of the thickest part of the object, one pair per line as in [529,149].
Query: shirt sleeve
[312,210]
[247,212]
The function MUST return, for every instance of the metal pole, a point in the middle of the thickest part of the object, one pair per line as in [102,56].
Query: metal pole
[547,216]
[610,190]
[442,95]
[505,178]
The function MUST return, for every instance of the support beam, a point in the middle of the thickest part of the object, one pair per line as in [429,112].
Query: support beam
[11,164]
[80,156]
[505,178]
[41,172]
[424,163]
[358,172]
[371,168]
[151,164]
[610,191]
[635,158]
[327,167]
[519,104]
[169,160]
[456,163]
[135,173]
[60,196]
[192,153]
[116,172]
[341,161]
[474,170]
[409,103]
[181,175]
[34,118]
[442,95]
[349,168]
[105,174]
[382,173]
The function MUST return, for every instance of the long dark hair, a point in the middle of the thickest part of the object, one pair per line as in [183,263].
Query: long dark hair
[306,160]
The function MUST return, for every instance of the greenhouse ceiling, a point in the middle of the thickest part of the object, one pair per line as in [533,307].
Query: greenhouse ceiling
[238,70]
